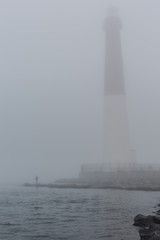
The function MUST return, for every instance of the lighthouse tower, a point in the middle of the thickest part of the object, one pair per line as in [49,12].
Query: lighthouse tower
[117,153]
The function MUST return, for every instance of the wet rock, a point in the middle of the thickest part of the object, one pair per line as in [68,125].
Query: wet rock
[158,212]
[149,234]
[141,220]
[149,227]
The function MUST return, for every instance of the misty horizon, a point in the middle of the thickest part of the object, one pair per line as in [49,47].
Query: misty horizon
[52,84]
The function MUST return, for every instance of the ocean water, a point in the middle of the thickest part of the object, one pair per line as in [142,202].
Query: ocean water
[72,214]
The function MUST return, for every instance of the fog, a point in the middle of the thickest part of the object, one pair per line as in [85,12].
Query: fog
[51,88]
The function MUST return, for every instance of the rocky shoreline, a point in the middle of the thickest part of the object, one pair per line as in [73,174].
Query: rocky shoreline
[149,226]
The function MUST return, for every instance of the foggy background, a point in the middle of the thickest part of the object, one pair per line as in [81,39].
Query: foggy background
[51,84]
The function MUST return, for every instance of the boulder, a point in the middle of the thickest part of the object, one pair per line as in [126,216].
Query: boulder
[149,227]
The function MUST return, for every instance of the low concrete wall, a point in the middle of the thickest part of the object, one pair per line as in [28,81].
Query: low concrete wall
[130,178]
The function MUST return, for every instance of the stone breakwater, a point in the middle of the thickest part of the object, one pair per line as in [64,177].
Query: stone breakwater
[133,187]
[149,226]
[123,180]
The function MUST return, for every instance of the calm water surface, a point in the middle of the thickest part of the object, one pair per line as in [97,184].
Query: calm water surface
[72,214]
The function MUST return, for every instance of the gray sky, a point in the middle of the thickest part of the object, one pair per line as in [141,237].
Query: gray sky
[51,84]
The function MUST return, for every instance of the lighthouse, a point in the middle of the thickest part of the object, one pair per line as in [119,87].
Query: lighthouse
[117,152]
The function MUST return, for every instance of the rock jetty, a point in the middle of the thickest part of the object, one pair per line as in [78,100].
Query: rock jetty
[149,226]
[95,186]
